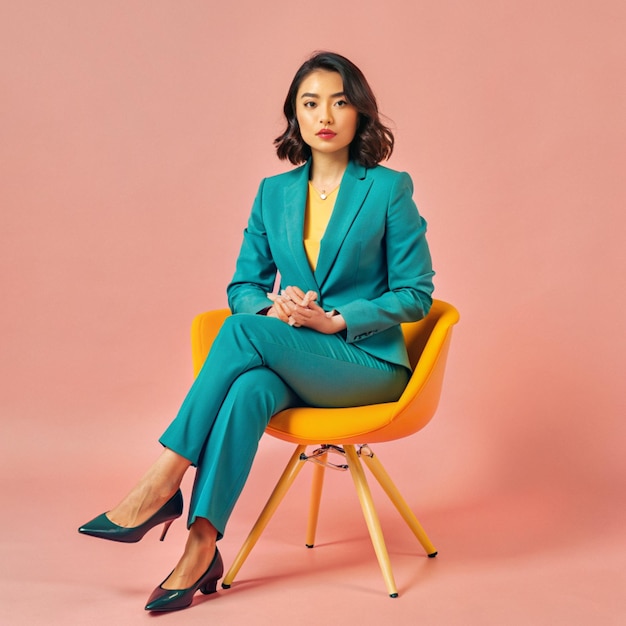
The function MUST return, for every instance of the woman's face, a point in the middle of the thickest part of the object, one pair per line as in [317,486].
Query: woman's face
[328,122]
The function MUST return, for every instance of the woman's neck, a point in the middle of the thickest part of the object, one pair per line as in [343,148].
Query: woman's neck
[327,170]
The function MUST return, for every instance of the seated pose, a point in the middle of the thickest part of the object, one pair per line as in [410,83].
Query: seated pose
[349,245]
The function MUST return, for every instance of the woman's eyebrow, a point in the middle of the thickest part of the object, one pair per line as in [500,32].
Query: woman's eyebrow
[315,95]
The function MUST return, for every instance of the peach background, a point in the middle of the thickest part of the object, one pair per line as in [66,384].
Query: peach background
[133,136]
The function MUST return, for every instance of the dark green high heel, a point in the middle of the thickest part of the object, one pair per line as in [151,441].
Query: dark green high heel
[175,599]
[103,528]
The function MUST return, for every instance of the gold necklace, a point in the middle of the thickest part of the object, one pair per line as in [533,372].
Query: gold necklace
[323,195]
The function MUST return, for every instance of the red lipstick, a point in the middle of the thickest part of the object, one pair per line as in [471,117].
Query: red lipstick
[326,133]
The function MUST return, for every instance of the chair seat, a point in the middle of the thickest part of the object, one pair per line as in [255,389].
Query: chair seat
[309,425]
[427,342]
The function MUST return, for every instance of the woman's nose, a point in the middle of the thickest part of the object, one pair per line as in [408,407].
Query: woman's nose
[326,116]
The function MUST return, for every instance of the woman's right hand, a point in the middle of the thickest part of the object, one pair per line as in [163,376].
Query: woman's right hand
[280,308]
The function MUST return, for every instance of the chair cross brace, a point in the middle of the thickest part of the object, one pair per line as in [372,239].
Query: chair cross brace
[320,457]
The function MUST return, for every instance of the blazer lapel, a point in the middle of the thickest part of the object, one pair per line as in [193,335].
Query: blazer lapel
[352,194]
[294,202]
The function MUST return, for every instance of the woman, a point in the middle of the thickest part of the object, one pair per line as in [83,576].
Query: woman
[346,239]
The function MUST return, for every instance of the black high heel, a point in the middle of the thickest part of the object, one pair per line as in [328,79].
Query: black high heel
[173,599]
[103,528]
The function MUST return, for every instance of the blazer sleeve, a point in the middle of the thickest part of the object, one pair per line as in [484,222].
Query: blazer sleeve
[255,271]
[408,296]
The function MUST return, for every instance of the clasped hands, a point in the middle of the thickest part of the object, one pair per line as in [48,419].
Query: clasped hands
[296,308]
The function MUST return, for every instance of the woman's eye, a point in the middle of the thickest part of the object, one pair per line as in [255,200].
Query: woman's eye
[341,103]
[309,105]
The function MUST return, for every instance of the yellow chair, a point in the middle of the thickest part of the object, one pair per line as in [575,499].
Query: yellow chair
[341,430]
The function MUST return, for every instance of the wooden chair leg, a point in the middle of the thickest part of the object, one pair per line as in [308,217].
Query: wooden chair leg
[282,486]
[391,490]
[371,518]
[314,504]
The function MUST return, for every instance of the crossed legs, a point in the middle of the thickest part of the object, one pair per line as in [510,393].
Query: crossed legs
[221,471]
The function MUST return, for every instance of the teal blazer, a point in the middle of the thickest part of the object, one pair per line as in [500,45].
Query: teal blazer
[374,265]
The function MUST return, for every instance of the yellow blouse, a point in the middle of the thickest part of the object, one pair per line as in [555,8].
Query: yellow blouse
[316,220]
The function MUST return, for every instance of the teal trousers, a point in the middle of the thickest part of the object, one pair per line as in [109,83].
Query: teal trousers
[257,367]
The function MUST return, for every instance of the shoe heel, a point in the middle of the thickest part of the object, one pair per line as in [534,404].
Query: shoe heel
[166,527]
[209,587]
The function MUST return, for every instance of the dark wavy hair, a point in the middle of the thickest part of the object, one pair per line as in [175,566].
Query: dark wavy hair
[373,141]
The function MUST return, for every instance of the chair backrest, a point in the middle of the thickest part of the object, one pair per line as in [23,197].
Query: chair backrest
[423,337]
[428,343]
[204,329]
